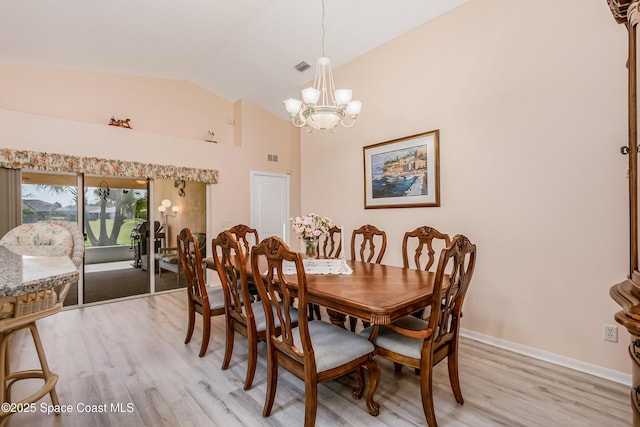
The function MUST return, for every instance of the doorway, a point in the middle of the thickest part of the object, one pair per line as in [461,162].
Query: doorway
[270,204]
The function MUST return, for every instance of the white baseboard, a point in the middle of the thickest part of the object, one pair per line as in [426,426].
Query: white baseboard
[546,356]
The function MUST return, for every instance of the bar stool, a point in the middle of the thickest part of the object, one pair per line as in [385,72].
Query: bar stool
[8,378]
[53,238]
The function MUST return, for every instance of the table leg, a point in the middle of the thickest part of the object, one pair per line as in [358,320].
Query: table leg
[337,318]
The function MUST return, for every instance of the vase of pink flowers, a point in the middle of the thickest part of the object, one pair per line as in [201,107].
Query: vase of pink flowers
[309,228]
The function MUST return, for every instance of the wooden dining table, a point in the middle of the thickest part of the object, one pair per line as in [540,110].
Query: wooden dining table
[379,294]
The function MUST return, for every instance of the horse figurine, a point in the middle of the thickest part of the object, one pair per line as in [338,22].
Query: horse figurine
[120,123]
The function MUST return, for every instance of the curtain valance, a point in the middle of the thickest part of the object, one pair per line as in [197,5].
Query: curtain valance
[23,159]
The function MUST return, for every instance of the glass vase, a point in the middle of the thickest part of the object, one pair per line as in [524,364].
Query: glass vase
[311,248]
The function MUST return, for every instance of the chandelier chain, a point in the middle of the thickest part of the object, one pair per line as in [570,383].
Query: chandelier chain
[323,54]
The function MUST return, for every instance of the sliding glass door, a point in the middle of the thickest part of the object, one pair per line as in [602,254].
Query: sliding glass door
[130,227]
[51,196]
[115,219]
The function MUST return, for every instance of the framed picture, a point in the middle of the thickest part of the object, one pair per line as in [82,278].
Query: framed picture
[402,173]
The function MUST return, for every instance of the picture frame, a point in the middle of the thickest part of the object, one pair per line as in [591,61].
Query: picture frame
[403,172]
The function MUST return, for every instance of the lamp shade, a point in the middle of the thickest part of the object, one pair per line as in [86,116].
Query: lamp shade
[343,96]
[354,108]
[293,106]
[310,95]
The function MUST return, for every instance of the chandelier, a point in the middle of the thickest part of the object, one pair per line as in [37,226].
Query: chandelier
[322,106]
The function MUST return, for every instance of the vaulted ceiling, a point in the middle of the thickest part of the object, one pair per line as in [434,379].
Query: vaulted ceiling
[237,49]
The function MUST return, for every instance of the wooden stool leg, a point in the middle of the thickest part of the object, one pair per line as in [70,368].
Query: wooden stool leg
[46,373]
[4,366]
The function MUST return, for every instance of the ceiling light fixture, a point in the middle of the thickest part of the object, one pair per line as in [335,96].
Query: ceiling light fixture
[322,106]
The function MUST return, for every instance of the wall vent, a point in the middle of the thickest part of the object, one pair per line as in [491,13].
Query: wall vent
[272,158]
[302,66]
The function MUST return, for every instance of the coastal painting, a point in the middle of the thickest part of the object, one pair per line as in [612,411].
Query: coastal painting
[403,172]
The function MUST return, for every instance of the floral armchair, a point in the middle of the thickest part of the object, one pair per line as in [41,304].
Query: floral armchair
[48,238]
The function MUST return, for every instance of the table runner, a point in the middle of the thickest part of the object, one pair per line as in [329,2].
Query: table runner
[319,266]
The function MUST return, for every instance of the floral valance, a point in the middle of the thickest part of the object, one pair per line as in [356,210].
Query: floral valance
[23,159]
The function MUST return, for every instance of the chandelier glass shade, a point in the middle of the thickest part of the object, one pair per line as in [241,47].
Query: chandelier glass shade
[322,106]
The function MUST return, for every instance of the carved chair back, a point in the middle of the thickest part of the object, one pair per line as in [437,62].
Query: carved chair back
[245,235]
[330,246]
[229,258]
[369,234]
[191,261]
[426,240]
[453,275]
[273,288]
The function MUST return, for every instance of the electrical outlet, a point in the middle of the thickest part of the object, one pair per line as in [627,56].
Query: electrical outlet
[610,333]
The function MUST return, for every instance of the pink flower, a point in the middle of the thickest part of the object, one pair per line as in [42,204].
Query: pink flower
[310,226]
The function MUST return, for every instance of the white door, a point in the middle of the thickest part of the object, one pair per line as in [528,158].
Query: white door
[270,204]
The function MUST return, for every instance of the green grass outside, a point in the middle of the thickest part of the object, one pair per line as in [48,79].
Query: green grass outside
[124,238]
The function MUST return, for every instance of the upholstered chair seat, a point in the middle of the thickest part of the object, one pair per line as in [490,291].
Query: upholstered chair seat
[333,346]
[400,344]
[216,298]
[261,319]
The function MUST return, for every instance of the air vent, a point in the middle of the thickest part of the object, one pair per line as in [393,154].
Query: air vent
[272,158]
[302,66]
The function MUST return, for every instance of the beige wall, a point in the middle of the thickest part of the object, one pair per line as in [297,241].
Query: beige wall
[530,100]
[67,112]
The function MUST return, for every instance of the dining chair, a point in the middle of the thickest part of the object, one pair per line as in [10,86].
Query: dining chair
[426,238]
[367,235]
[331,243]
[47,238]
[245,235]
[314,351]
[242,316]
[168,259]
[422,344]
[424,241]
[248,237]
[329,246]
[203,299]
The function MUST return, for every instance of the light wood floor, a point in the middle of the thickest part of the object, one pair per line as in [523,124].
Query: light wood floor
[132,352]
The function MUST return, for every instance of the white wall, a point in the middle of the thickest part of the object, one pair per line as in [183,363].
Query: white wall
[530,101]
